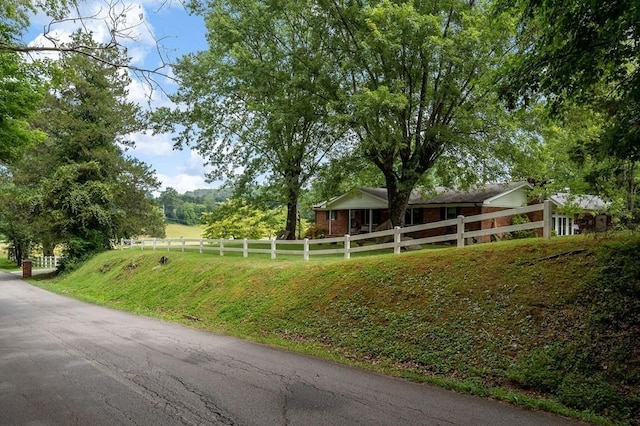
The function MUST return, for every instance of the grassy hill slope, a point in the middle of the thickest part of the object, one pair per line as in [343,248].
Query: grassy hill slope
[541,323]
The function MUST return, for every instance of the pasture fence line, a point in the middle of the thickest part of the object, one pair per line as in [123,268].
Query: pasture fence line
[396,238]
[45,261]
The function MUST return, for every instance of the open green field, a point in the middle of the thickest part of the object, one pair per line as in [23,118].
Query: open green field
[175,230]
[546,324]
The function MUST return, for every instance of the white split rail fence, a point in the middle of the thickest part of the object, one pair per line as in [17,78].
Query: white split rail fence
[45,261]
[276,247]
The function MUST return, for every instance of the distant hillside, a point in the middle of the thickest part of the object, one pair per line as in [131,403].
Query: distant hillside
[207,195]
[549,324]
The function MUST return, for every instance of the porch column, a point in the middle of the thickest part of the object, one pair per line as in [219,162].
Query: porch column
[370,220]
[330,215]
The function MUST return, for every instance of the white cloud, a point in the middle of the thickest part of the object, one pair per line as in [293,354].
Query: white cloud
[146,95]
[184,182]
[148,144]
[195,164]
[124,19]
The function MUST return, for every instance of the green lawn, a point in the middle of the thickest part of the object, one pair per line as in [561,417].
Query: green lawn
[175,230]
[6,264]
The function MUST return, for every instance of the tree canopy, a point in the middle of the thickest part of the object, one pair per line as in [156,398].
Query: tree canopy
[286,86]
[85,192]
[416,83]
[261,112]
[20,92]
[235,218]
[585,53]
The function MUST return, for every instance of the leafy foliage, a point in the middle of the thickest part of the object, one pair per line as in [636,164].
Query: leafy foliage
[583,53]
[17,211]
[262,112]
[415,84]
[20,92]
[237,219]
[84,193]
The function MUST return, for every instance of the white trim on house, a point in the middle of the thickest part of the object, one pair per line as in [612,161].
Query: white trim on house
[375,198]
[356,199]
[490,201]
[562,224]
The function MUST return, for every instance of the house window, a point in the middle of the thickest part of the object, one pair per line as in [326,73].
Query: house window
[447,213]
[365,217]
[331,215]
[413,216]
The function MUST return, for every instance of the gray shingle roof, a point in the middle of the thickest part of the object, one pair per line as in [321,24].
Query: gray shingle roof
[445,195]
[584,202]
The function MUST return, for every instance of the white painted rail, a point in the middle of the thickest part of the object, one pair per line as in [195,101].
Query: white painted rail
[348,244]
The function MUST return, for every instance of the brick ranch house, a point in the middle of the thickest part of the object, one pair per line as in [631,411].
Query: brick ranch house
[362,210]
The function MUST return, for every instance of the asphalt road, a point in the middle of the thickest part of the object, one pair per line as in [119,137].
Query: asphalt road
[64,362]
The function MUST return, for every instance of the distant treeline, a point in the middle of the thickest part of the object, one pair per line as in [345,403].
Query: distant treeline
[187,208]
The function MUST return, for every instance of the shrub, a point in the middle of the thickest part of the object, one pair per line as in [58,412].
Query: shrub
[315,231]
[519,220]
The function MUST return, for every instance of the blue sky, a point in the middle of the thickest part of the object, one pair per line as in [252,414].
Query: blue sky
[179,33]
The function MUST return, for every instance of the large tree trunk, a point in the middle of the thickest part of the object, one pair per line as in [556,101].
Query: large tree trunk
[398,194]
[292,214]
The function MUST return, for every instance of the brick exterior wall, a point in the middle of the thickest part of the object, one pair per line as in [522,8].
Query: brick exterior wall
[340,225]
[536,217]
[434,214]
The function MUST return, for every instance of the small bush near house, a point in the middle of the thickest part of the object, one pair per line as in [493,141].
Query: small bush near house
[519,220]
[315,231]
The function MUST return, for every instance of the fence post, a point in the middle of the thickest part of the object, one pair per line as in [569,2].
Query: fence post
[306,249]
[182,239]
[347,246]
[273,248]
[546,218]
[169,244]
[221,244]
[131,243]
[201,243]
[155,242]
[397,237]
[245,248]
[460,231]
[121,243]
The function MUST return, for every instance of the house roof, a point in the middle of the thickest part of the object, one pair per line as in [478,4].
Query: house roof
[480,195]
[583,202]
[443,195]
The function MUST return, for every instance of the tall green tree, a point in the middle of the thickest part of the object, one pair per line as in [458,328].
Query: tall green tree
[416,85]
[90,191]
[17,211]
[255,103]
[235,218]
[20,92]
[585,53]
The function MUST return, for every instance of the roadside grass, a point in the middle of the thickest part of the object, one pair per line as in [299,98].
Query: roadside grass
[8,265]
[469,319]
